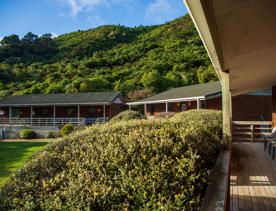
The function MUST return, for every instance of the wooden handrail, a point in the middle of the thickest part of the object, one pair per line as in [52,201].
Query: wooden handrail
[251,130]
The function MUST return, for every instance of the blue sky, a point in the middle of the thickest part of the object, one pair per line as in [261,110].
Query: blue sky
[63,16]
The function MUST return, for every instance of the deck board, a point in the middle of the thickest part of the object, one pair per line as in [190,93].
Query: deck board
[253,178]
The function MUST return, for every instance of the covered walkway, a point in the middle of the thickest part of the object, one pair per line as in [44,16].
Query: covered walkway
[253,178]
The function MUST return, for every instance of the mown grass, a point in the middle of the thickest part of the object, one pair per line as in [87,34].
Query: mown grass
[14,154]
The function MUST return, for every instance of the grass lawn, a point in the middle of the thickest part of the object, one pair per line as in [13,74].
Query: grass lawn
[14,154]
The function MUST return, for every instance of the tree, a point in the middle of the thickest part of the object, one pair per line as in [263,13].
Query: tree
[174,79]
[206,74]
[152,80]
[86,86]
[29,37]
[10,40]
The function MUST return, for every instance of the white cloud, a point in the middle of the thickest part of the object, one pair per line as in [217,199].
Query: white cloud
[54,34]
[161,10]
[77,6]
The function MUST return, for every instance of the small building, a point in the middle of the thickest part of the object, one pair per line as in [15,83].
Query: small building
[59,109]
[206,96]
[253,106]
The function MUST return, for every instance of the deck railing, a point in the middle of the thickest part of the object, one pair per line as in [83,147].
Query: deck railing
[251,130]
[19,122]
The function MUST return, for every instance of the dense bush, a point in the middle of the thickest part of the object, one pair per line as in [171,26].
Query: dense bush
[133,165]
[27,134]
[137,61]
[127,115]
[52,134]
[165,115]
[66,129]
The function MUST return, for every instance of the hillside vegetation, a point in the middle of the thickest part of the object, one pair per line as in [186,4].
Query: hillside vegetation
[138,61]
[157,164]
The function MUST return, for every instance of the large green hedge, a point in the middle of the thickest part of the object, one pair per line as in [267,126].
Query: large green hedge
[133,165]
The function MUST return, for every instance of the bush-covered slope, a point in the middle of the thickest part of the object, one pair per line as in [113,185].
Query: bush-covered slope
[133,165]
[138,61]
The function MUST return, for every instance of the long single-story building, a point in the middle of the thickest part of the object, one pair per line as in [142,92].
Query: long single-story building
[206,95]
[58,109]
[252,106]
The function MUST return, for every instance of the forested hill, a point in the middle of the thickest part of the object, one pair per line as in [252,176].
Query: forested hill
[138,61]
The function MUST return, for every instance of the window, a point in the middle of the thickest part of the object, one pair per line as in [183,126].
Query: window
[44,112]
[15,112]
[152,109]
[170,107]
[92,112]
[70,112]
[183,106]
[204,104]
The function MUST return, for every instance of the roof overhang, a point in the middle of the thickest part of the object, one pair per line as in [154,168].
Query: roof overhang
[240,38]
[167,100]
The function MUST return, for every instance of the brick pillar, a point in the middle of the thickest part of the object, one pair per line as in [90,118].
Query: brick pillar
[274,106]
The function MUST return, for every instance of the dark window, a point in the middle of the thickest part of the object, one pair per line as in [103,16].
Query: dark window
[152,109]
[204,104]
[71,112]
[170,107]
[183,107]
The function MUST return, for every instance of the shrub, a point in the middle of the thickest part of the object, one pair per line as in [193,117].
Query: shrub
[165,115]
[27,134]
[133,165]
[66,129]
[127,115]
[51,134]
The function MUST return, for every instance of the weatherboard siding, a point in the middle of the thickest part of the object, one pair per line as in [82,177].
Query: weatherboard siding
[250,108]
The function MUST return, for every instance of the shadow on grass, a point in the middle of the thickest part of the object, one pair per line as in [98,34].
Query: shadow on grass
[14,154]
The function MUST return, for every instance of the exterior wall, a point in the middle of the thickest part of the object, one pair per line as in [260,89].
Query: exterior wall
[251,108]
[90,111]
[42,112]
[65,111]
[113,110]
[273,106]
[215,103]
[155,109]
[25,112]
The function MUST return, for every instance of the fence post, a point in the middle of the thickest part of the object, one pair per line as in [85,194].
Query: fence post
[252,132]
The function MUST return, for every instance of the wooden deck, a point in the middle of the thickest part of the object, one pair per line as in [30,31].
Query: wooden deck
[253,178]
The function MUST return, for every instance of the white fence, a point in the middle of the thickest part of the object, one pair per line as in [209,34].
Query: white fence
[19,122]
